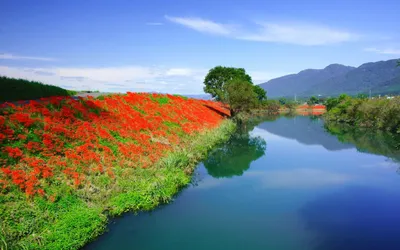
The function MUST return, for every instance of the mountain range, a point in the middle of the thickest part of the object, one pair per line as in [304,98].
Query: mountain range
[381,77]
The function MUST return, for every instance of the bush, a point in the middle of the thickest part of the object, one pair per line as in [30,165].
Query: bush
[379,113]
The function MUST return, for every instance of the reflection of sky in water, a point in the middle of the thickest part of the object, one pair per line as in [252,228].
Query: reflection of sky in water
[297,196]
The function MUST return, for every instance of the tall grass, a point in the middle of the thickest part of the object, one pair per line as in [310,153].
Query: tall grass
[12,89]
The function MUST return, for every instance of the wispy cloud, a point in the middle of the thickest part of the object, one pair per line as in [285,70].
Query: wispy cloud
[154,23]
[202,25]
[387,51]
[292,33]
[18,57]
[298,33]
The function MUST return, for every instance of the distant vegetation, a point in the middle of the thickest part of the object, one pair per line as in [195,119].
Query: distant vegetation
[18,89]
[379,113]
[379,77]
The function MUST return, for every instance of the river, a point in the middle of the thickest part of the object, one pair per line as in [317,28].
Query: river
[281,183]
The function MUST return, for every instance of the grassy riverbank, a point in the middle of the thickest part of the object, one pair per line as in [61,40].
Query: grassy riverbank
[377,113]
[66,165]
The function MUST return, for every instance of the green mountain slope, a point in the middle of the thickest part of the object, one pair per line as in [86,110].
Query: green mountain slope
[380,77]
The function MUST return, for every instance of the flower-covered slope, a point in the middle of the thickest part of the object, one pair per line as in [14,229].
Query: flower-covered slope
[64,140]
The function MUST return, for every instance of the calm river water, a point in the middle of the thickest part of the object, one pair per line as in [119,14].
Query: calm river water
[283,183]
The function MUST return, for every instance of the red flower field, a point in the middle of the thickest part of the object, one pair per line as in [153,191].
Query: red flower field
[61,139]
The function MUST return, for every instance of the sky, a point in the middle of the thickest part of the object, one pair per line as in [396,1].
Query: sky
[169,45]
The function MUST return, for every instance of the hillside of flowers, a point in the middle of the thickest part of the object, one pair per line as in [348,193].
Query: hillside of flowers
[61,139]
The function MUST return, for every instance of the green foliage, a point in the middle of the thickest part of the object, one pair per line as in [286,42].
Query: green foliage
[291,105]
[271,106]
[162,100]
[362,96]
[282,101]
[260,92]
[333,101]
[313,100]
[239,95]
[378,113]
[218,76]
[18,89]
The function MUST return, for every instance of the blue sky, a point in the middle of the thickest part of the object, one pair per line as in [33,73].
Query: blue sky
[168,46]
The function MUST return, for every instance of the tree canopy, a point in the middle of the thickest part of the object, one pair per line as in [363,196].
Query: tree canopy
[239,95]
[313,100]
[218,76]
[260,92]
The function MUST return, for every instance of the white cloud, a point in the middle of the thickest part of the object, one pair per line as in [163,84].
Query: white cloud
[292,33]
[179,72]
[17,57]
[154,24]
[301,34]
[299,178]
[117,79]
[202,25]
[388,51]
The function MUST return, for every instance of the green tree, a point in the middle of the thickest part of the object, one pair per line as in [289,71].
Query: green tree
[362,96]
[239,95]
[260,92]
[282,101]
[218,76]
[331,103]
[313,100]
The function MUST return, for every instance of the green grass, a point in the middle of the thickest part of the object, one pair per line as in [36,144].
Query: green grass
[162,100]
[79,216]
[18,89]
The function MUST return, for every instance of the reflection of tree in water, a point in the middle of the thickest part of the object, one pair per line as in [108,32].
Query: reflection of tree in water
[235,156]
[368,140]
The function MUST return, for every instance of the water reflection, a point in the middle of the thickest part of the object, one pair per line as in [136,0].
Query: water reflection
[369,141]
[301,178]
[234,158]
[355,219]
[306,130]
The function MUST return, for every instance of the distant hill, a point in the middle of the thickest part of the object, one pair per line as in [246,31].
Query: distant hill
[381,77]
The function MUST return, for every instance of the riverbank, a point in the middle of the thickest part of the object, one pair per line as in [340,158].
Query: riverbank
[377,113]
[66,165]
